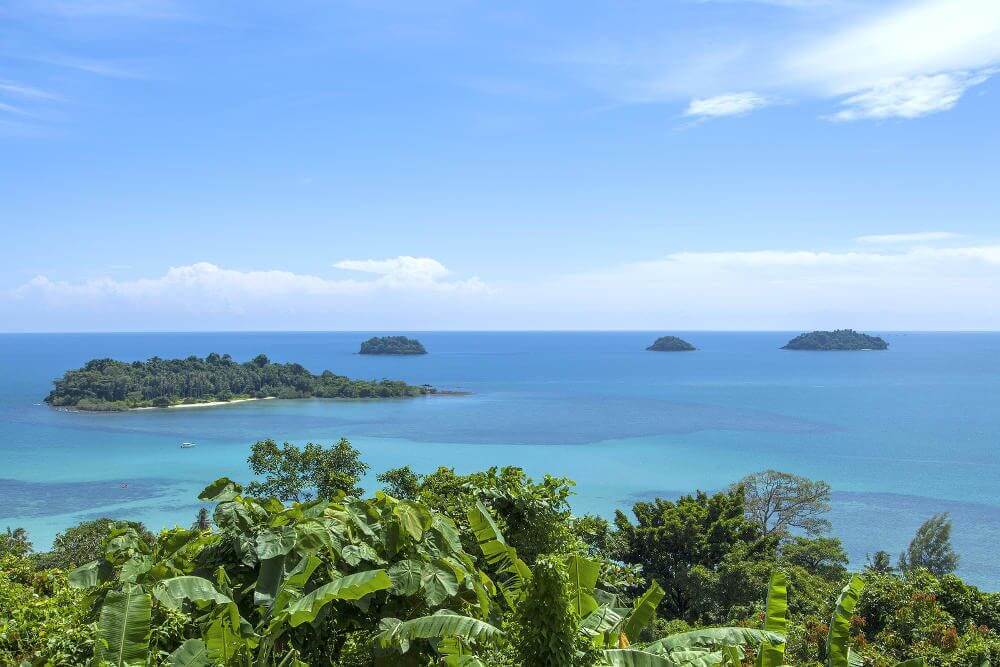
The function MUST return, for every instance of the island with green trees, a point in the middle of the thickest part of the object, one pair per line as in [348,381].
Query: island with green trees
[839,340]
[108,385]
[670,344]
[392,345]
[302,568]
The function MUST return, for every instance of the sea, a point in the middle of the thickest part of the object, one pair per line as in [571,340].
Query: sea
[899,435]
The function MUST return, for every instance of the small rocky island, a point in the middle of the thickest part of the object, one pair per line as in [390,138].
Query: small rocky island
[392,345]
[670,344]
[109,385]
[839,340]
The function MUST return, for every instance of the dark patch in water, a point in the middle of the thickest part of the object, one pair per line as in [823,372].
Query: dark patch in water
[35,499]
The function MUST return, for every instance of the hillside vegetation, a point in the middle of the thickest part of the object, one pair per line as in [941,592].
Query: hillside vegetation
[392,345]
[486,569]
[106,384]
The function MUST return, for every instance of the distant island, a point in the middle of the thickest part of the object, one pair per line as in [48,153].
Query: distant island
[841,339]
[670,344]
[392,345]
[108,385]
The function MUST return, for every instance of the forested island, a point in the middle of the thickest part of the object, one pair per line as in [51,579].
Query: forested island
[670,344]
[302,568]
[392,345]
[841,339]
[107,384]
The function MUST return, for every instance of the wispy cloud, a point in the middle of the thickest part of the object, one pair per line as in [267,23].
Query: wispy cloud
[909,97]
[909,237]
[14,89]
[730,104]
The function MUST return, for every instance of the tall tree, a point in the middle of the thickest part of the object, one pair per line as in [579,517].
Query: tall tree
[15,542]
[291,473]
[779,502]
[709,558]
[931,547]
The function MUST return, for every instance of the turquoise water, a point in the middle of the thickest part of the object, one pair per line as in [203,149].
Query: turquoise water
[899,434]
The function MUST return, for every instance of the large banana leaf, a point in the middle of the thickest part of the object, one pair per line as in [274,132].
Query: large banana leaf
[192,653]
[776,616]
[583,573]
[351,587]
[643,612]
[440,625]
[714,639]
[172,592]
[124,626]
[775,620]
[839,639]
[636,658]
[89,575]
[498,552]
[599,621]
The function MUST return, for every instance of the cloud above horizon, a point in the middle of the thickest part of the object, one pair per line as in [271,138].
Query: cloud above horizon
[923,287]
[908,237]
[904,60]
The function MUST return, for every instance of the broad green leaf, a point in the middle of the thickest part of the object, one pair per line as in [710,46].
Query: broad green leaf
[498,552]
[713,639]
[583,573]
[274,543]
[172,592]
[413,518]
[355,553]
[770,655]
[124,626]
[776,616]
[192,653]
[601,620]
[405,576]
[439,625]
[351,587]
[268,580]
[220,490]
[89,575]
[838,641]
[643,611]
[438,583]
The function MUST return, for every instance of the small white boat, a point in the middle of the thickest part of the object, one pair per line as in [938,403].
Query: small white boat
[187,445]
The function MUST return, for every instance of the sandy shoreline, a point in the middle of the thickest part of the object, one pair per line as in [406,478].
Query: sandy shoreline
[208,404]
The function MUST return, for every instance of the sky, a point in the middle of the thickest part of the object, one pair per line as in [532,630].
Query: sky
[399,165]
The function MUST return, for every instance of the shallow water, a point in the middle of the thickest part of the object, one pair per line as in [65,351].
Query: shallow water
[899,434]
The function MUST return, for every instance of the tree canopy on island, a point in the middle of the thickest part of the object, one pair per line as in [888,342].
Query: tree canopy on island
[392,345]
[107,384]
[670,344]
[841,339]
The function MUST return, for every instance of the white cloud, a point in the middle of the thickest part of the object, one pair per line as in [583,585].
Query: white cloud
[15,89]
[730,104]
[921,287]
[403,270]
[910,97]
[909,237]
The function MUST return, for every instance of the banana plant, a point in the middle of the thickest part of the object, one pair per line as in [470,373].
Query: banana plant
[262,587]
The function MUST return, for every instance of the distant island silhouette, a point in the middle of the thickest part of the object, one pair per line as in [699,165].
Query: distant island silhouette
[392,345]
[670,344]
[838,340]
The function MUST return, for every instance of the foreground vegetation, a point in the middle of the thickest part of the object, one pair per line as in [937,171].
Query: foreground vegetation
[489,568]
[839,340]
[392,345]
[106,384]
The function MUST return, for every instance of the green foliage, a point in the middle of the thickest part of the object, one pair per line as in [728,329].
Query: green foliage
[931,547]
[83,543]
[548,628]
[392,345]
[710,559]
[106,384]
[297,474]
[401,483]
[780,502]
[41,617]
[15,542]
[841,339]
[823,556]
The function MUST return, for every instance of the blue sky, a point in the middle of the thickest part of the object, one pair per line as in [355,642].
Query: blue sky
[400,165]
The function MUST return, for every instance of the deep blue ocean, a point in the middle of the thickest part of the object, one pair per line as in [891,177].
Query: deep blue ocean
[899,435]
